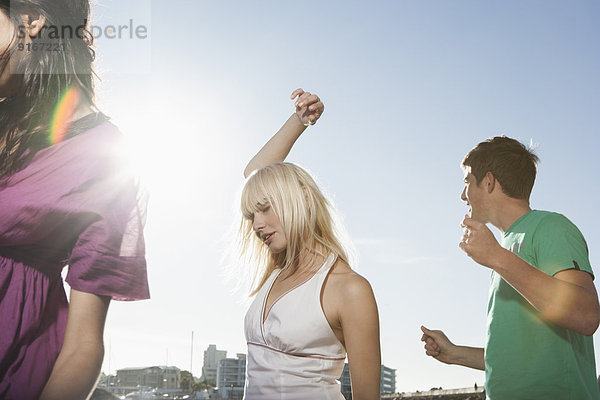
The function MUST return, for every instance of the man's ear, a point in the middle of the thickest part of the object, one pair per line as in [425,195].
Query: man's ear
[33,24]
[490,182]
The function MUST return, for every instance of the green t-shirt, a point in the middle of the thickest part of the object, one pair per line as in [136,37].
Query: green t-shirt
[525,357]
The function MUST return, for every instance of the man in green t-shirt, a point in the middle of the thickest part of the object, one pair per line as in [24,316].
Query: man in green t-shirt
[543,307]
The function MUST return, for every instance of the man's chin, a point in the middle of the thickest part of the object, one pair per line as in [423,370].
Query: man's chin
[477,218]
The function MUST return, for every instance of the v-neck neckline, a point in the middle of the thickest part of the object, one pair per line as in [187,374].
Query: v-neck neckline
[265,313]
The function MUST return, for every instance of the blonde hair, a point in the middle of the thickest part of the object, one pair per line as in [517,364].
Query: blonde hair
[308,219]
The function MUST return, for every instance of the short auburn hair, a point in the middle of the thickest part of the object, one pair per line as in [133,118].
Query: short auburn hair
[511,163]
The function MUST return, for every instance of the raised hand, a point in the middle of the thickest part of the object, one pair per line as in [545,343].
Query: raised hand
[309,107]
[479,242]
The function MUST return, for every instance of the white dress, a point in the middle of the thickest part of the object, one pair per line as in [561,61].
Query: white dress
[293,354]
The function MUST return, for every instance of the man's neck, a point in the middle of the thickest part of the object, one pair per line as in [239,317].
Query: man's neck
[509,212]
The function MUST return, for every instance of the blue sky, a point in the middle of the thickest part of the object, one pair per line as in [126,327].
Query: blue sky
[409,88]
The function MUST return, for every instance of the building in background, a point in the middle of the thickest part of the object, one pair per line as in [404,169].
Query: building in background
[158,377]
[231,377]
[212,356]
[388,381]
[345,383]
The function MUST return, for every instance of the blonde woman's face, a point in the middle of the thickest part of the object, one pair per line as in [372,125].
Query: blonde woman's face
[268,228]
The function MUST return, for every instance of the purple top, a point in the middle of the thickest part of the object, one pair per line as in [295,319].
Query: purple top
[76,203]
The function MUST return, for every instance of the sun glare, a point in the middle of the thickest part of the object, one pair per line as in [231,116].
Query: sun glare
[180,162]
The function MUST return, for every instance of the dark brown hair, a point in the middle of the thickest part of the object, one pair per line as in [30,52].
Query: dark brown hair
[43,76]
[511,163]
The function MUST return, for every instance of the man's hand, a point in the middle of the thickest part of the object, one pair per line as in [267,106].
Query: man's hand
[309,107]
[437,345]
[479,242]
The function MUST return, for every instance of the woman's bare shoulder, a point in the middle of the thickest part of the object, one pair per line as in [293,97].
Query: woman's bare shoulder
[348,282]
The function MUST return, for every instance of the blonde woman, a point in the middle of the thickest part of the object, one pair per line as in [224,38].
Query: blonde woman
[310,309]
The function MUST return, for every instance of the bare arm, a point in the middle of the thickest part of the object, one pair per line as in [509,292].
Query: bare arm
[568,298]
[78,365]
[438,346]
[360,326]
[309,109]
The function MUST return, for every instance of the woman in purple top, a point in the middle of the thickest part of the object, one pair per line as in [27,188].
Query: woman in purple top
[67,197]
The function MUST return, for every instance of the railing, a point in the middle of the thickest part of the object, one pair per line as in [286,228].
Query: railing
[471,393]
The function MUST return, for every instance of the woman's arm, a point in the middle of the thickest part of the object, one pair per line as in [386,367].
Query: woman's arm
[360,326]
[308,110]
[78,365]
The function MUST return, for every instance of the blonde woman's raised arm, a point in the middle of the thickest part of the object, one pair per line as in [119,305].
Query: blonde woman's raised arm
[309,109]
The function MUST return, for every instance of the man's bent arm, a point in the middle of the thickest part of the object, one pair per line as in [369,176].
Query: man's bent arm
[568,298]
[438,346]
[472,357]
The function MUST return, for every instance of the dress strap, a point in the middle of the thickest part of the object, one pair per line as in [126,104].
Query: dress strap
[324,270]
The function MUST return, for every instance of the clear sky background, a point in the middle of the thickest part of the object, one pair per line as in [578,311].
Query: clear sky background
[409,88]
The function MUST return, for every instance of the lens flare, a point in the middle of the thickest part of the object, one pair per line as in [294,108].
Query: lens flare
[62,115]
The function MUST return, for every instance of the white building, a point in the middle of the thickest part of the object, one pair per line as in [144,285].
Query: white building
[212,356]
[158,377]
[231,377]
[388,381]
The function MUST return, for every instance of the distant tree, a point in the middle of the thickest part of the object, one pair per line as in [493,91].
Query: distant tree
[202,386]
[186,381]
[184,384]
